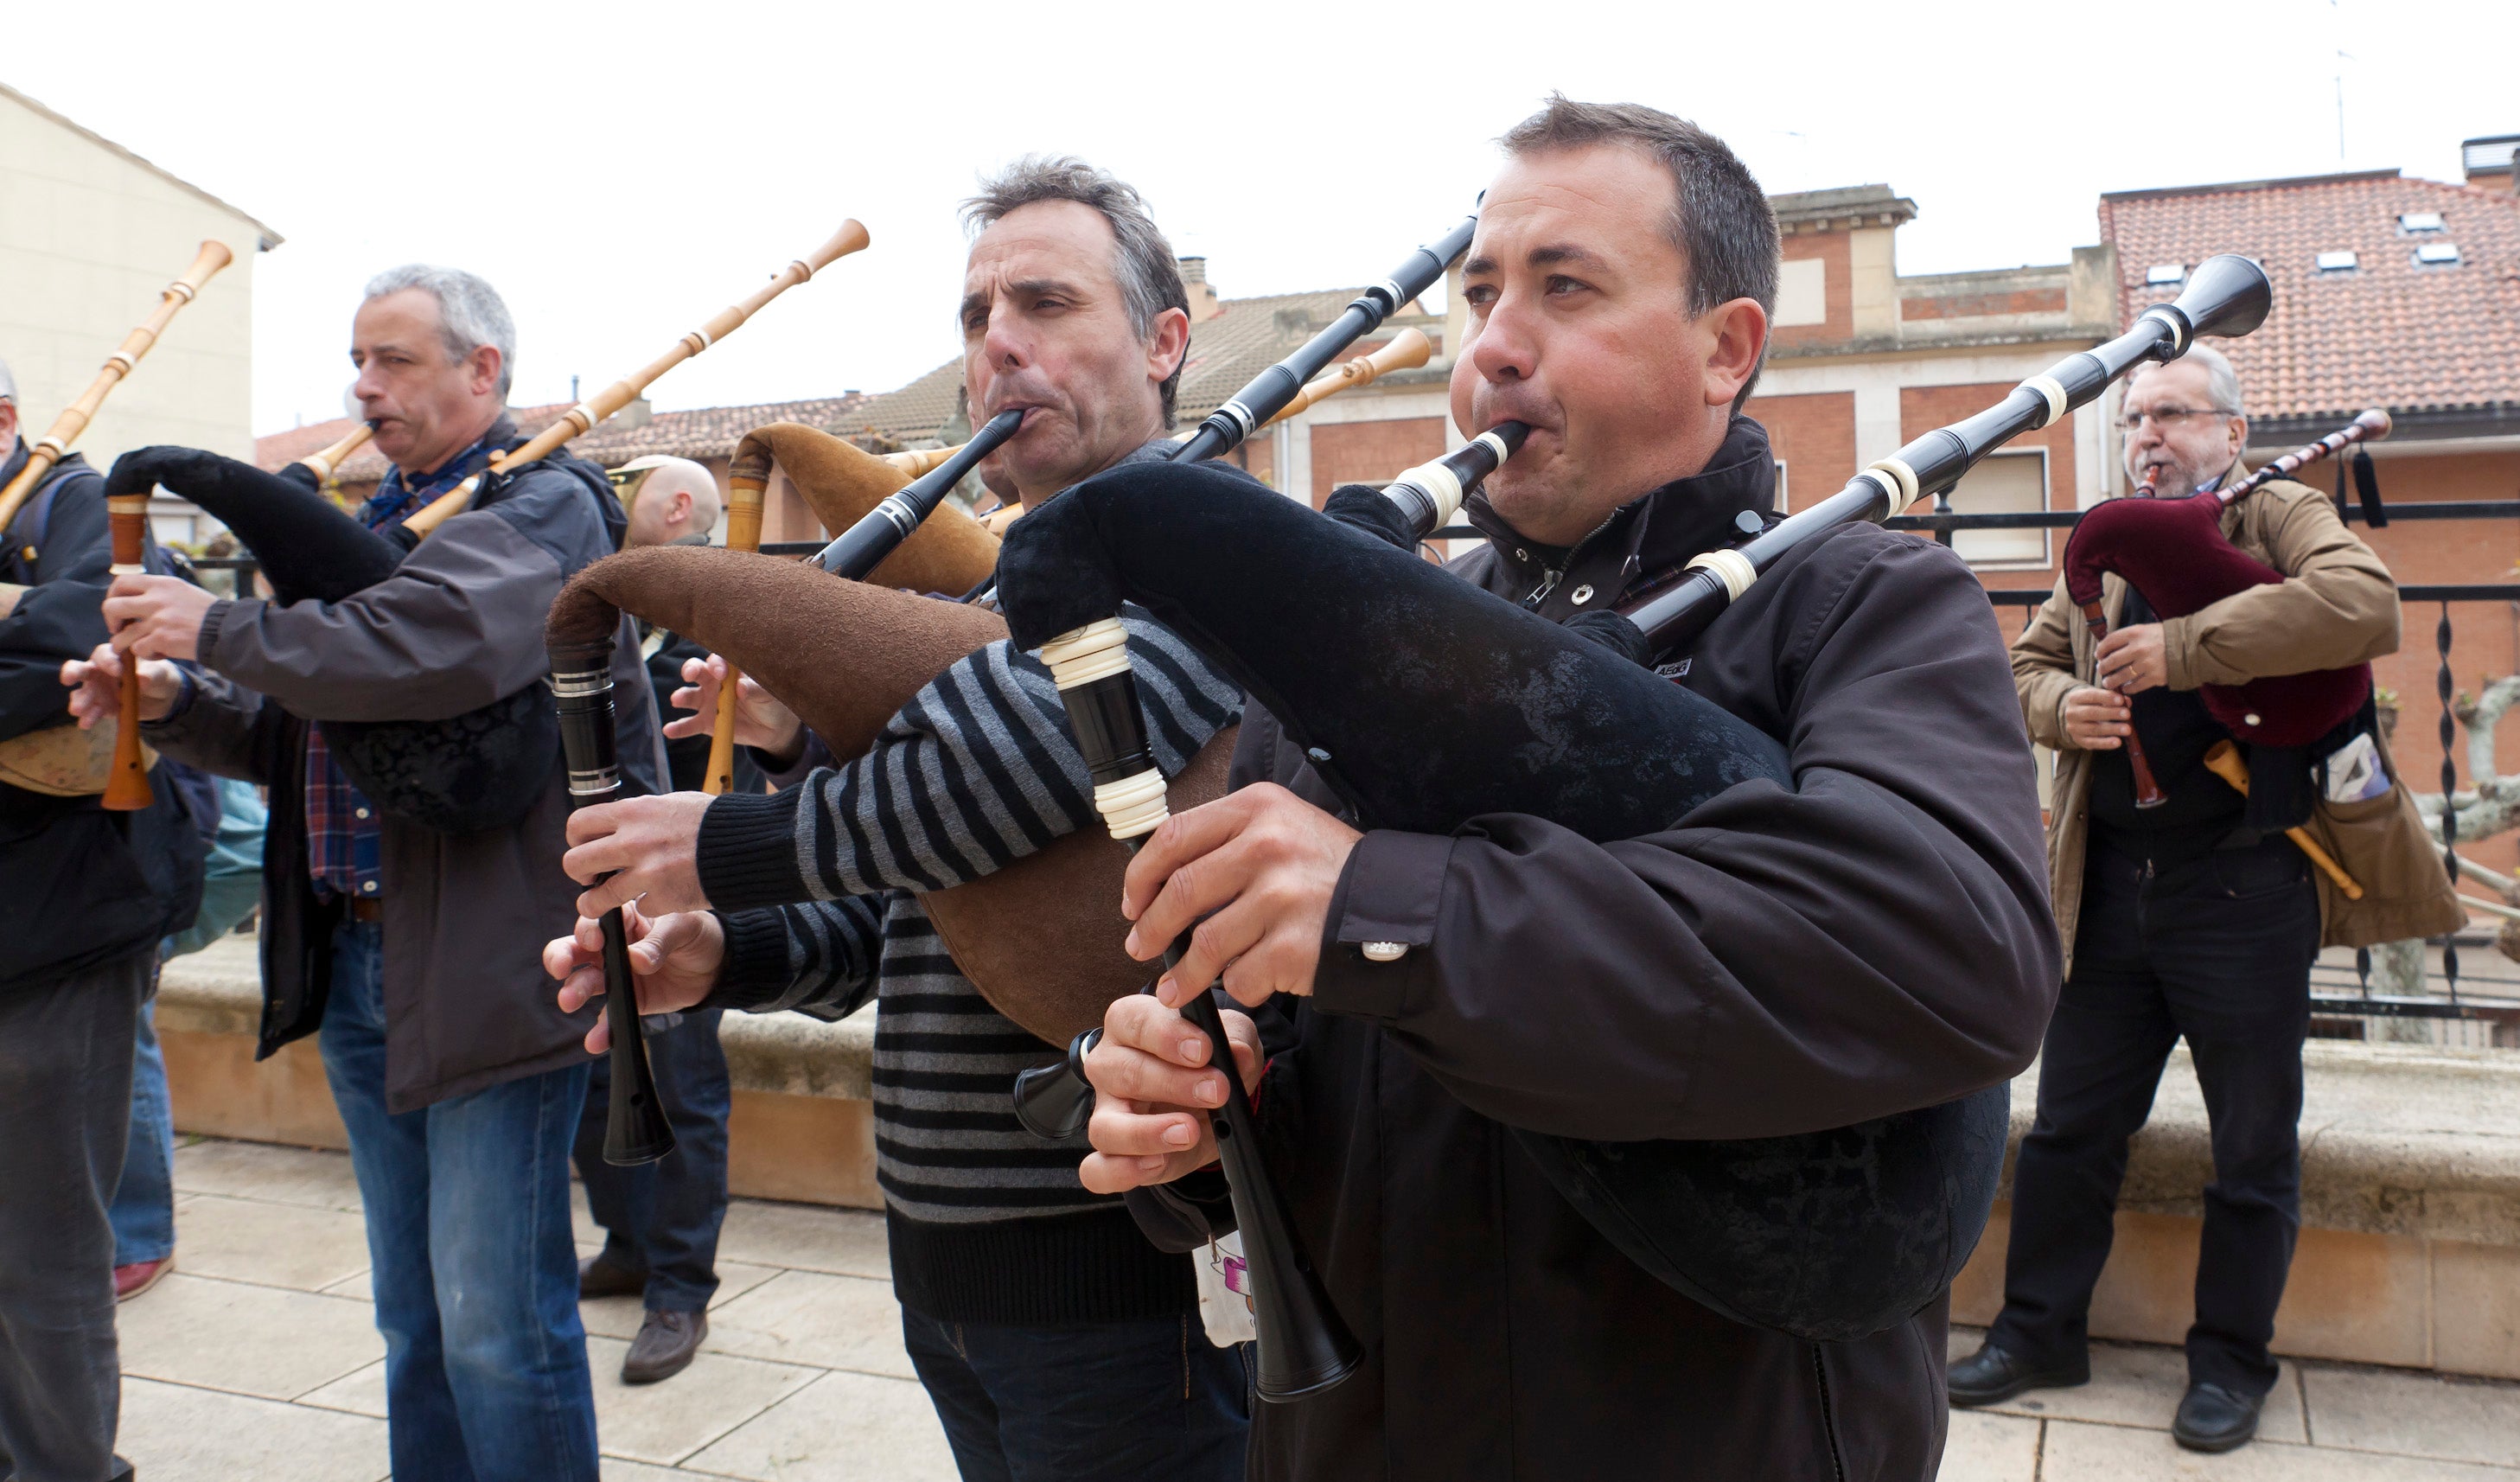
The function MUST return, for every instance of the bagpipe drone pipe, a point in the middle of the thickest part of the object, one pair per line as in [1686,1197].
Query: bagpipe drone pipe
[1425,702]
[2174,552]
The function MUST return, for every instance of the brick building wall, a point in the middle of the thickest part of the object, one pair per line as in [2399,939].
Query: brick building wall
[1371,452]
[1814,436]
[1833,249]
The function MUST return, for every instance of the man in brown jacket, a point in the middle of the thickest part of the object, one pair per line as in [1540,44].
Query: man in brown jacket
[2180,920]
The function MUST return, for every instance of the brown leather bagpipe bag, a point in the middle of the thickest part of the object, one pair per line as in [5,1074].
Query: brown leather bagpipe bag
[1041,939]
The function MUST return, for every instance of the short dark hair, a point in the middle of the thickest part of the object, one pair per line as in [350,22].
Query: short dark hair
[1149,275]
[1720,218]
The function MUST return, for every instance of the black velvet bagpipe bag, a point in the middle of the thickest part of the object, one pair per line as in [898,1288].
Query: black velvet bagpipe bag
[1426,702]
[479,769]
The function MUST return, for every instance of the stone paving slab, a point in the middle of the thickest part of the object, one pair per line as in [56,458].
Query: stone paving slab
[804,1317]
[256,1340]
[2417,1415]
[846,1242]
[277,1174]
[2081,1453]
[844,1427]
[177,1433]
[668,1421]
[272,1245]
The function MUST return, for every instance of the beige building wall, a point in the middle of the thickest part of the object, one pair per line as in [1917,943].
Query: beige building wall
[89,236]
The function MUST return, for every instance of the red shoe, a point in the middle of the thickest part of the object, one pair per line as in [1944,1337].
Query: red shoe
[131,1280]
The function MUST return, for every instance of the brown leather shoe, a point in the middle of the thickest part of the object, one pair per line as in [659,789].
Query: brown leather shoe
[666,1344]
[131,1280]
[599,1277]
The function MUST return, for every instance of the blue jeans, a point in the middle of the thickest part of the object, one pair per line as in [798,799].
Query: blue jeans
[662,1218]
[143,1199]
[474,1267]
[1085,1402]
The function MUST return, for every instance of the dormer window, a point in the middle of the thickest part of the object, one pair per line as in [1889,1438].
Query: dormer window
[2339,262]
[2165,274]
[2438,254]
[2416,223]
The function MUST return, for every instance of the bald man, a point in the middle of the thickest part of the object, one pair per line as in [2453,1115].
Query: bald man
[661,1220]
[672,500]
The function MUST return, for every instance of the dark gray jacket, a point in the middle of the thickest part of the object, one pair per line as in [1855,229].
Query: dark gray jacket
[460,624]
[1875,941]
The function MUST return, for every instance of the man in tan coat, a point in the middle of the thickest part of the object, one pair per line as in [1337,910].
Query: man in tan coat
[2180,921]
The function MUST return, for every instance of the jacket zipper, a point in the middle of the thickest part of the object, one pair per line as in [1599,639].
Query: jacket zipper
[1828,1416]
[1548,579]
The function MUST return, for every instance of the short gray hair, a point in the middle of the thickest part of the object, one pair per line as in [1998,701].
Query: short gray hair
[2221,383]
[1149,275]
[1720,218]
[470,313]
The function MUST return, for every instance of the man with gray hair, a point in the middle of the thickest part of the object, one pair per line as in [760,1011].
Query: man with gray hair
[1053,1337]
[2180,919]
[460,1082]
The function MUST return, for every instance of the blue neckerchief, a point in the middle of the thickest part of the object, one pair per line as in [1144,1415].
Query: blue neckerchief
[397,498]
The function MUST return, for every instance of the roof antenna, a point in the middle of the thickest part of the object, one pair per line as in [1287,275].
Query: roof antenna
[572,381]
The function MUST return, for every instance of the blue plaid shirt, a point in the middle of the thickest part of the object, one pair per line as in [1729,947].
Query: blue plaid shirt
[342,839]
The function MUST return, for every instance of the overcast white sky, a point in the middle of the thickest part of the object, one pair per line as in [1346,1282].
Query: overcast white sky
[622,170]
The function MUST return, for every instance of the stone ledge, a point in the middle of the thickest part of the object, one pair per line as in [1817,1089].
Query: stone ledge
[2396,1139]
[219,991]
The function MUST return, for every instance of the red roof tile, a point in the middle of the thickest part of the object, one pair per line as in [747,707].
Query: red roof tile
[701,433]
[2390,332]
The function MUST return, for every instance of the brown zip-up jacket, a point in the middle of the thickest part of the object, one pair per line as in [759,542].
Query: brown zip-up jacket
[1875,940]
[2338,608]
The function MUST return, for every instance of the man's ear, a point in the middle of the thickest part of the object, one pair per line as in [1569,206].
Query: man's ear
[481,369]
[1739,334]
[1168,345]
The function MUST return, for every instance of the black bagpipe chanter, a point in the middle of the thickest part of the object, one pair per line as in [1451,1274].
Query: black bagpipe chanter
[846,655]
[1424,702]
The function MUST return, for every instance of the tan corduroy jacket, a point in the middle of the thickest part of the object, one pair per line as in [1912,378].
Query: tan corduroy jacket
[2339,608]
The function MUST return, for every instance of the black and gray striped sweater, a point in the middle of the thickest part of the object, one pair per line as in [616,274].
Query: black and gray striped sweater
[989,1224]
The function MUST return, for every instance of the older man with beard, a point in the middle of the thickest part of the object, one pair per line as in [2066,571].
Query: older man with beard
[2180,920]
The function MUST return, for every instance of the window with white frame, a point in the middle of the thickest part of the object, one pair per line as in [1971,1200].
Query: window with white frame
[2012,481]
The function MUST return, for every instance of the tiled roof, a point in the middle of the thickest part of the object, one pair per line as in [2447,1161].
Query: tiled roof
[2389,332]
[704,433]
[1245,336]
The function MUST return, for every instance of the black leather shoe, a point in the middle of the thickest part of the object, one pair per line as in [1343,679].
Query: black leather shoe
[2214,1419]
[666,1344]
[1990,1377]
[598,1276]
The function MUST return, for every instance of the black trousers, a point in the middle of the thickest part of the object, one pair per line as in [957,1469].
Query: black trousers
[662,1218]
[66,1050]
[2218,951]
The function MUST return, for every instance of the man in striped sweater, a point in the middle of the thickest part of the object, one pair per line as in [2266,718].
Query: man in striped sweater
[1054,1339]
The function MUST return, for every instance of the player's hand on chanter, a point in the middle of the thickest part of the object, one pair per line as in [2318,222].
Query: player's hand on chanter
[649,845]
[761,720]
[1154,1089]
[96,687]
[1260,865]
[674,960]
[157,617]
[2134,659]
[2096,719]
